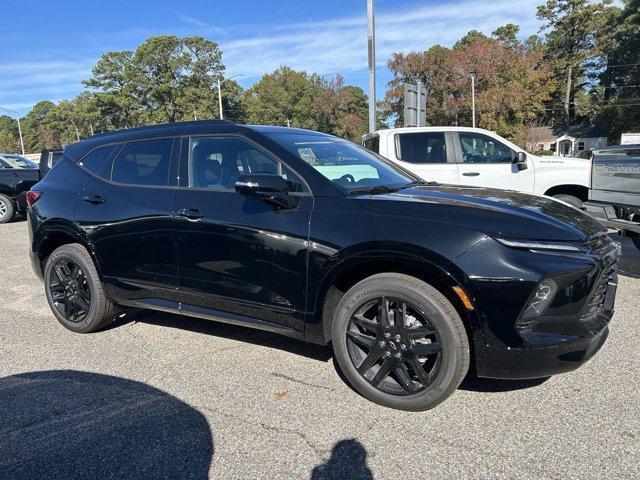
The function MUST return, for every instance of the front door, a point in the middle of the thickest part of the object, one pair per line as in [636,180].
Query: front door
[486,162]
[238,255]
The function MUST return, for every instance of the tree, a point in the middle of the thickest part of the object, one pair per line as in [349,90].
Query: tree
[507,34]
[512,83]
[577,33]
[286,96]
[8,141]
[620,79]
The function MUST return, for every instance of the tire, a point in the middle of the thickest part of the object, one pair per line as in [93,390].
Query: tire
[100,311]
[7,209]
[570,199]
[421,302]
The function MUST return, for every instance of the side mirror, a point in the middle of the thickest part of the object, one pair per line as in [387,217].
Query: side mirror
[268,187]
[521,161]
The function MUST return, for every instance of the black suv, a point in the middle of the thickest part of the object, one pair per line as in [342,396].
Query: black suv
[17,175]
[314,237]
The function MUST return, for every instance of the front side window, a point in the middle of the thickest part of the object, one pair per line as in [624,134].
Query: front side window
[422,147]
[217,162]
[344,163]
[144,163]
[95,159]
[478,148]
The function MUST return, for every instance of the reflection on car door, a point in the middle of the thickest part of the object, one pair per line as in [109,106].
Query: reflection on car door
[484,161]
[427,154]
[238,255]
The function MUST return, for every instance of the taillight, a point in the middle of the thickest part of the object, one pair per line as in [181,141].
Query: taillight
[32,197]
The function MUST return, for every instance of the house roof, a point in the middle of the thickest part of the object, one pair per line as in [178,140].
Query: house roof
[582,130]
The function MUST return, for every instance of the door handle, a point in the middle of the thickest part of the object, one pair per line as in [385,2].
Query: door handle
[95,200]
[471,174]
[191,214]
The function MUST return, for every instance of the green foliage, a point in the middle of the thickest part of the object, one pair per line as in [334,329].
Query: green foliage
[545,153]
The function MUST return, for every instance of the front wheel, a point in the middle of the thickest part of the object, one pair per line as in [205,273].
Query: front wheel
[74,290]
[400,342]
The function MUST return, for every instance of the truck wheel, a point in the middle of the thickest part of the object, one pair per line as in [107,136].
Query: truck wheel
[570,199]
[400,342]
[7,209]
[74,290]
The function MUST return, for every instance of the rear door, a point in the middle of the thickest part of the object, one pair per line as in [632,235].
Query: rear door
[427,154]
[484,161]
[238,255]
[126,213]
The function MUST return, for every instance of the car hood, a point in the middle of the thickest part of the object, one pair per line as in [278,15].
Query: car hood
[495,212]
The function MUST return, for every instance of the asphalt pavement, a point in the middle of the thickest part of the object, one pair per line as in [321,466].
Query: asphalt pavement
[160,396]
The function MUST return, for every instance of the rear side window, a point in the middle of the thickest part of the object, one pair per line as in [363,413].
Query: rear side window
[144,163]
[95,159]
[422,147]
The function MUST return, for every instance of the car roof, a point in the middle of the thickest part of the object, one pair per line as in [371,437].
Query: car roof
[433,129]
[175,129]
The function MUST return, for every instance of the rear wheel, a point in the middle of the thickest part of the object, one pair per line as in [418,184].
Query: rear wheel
[74,290]
[570,199]
[7,209]
[400,342]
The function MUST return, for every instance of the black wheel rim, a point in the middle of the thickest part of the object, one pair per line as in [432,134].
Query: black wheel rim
[394,346]
[70,292]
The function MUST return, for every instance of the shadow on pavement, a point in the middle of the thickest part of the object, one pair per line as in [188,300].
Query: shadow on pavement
[629,264]
[70,424]
[348,460]
[225,330]
[474,383]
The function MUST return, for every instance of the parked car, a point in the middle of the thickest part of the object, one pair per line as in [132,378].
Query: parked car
[48,159]
[17,175]
[477,157]
[314,237]
[614,197]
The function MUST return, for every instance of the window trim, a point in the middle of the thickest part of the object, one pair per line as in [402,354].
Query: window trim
[460,158]
[186,140]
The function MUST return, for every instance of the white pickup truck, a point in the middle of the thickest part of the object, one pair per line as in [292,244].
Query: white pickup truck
[477,157]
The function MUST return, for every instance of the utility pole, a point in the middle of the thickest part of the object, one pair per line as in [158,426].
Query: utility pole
[567,98]
[371,47]
[473,100]
[19,126]
[220,99]
[418,86]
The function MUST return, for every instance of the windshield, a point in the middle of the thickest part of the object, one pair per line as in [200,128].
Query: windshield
[346,164]
[17,161]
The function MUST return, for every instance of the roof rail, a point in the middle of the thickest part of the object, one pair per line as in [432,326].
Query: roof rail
[162,125]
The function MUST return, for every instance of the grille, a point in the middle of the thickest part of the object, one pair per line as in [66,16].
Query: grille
[606,250]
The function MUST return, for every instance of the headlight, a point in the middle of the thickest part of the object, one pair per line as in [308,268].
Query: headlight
[541,299]
[540,245]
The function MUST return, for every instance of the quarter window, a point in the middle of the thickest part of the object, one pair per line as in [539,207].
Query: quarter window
[423,147]
[217,162]
[95,159]
[144,163]
[478,148]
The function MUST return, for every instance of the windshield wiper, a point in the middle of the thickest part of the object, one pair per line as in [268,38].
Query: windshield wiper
[373,190]
[417,183]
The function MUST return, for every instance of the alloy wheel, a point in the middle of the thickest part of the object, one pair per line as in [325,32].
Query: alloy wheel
[394,346]
[3,208]
[69,290]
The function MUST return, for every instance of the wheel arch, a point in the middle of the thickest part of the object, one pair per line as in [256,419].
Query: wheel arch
[442,276]
[578,191]
[54,236]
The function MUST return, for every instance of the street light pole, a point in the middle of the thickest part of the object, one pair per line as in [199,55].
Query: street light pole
[473,100]
[220,92]
[19,126]
[371,47]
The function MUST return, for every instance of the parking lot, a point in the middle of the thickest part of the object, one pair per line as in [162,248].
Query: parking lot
[157,395]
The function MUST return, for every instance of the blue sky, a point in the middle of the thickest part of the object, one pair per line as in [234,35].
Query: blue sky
[48,47]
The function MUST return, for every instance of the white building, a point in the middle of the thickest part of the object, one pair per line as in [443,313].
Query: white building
[568,140]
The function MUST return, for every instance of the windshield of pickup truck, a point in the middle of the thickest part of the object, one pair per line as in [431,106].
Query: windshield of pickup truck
[17,161]
[346,164]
